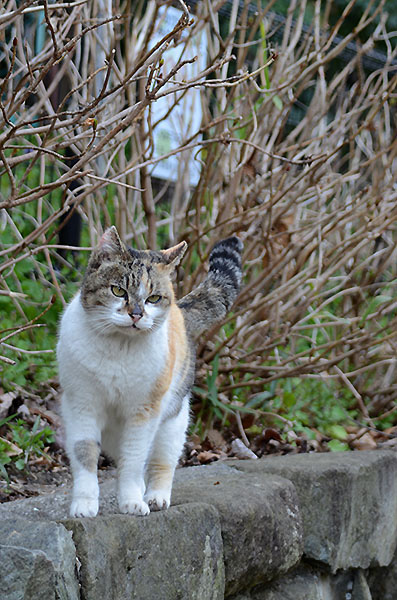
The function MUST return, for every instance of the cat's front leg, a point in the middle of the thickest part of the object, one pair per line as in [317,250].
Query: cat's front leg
[83,448]
[85,497]
[165,453]
[135,442]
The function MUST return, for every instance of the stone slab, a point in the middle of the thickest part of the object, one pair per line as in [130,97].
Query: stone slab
[301,584]
[177,554]
[348,503]
[383,581]
[309,583]
[38,561]
[260,520]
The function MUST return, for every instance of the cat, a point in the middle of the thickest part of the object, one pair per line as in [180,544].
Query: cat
[126,366]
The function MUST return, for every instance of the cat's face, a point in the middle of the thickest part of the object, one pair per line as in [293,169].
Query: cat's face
[128,291]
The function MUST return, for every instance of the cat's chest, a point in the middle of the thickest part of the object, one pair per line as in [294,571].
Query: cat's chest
[129,369]
[114,367]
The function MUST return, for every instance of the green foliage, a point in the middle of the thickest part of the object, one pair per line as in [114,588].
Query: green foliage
[315,405]
[337,446]
[211,405]
[308,405]
[31,279]
[20,443]
[38,367]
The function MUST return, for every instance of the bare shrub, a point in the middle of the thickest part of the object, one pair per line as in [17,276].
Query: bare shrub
[296,153]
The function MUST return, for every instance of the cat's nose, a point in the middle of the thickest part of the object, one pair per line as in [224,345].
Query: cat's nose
[136,313]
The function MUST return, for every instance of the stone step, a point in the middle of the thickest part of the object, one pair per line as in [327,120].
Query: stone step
[236,529]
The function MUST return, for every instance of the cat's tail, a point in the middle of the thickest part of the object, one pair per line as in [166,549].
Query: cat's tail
[213,298]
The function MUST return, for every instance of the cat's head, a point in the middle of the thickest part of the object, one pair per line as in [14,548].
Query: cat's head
[128,291]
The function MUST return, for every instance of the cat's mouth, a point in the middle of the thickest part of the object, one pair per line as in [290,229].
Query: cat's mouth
[135,327]
[126,328]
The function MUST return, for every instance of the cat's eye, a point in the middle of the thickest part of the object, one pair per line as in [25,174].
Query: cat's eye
[118,291]
[153,299]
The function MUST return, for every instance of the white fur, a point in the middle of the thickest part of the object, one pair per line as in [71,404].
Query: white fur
[107,369]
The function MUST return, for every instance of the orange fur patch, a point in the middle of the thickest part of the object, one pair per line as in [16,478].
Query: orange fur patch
[159,475]
[177,352]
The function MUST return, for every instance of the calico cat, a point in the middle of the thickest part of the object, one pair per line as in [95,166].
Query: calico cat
[126,366]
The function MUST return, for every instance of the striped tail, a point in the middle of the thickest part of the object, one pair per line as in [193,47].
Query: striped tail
[213,298]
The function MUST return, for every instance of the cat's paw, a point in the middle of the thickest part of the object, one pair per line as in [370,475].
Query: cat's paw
[84,507]
[158,499]
[132,506]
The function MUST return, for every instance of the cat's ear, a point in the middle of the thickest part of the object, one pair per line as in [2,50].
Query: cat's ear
[110,242]
[174,255]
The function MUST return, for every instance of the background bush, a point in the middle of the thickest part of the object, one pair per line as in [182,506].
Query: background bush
[295,152]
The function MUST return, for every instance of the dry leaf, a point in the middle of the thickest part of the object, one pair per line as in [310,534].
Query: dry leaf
[273,434]
[206,456]
[216,439]
[24,410]
[5,403]
[365,442]
[241,451]
[389,444]
[13,449]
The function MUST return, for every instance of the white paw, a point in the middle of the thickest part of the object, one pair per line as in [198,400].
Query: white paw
[84,507]
[134,506]
[158,499]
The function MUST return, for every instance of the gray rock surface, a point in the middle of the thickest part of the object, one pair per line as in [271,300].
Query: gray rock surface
[308,583]
[55,506]
[361,589]
[383,581]
[37,560]
[348,503]
[233,530]
[260,520]
[175,554]
[301,584]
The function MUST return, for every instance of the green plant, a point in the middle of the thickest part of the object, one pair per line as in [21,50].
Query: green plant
[30,346]
[21,442]
[211,405]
